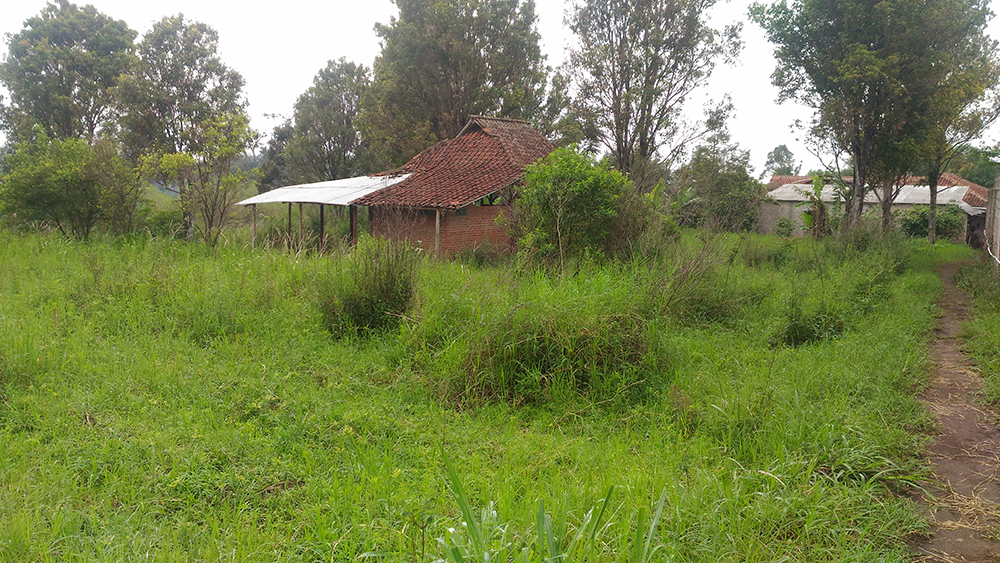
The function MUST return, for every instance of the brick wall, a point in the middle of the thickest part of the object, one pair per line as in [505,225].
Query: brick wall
[478,226]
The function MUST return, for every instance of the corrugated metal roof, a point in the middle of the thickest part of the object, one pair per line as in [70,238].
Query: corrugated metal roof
[334,192]
[908,195]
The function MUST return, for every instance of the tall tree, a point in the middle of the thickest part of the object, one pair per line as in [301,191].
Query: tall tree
[781,162]
[61,70]
[868,68]
[965,102]
[178,83]
[444,60]
[178,88]
[325,143]
[636,65]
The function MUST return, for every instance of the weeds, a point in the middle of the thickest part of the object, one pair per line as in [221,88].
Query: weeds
[381,287]
[161,401]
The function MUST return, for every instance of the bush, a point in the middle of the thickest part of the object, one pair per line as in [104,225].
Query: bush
[528,356]
[802,328]
[571,206]
[784,227]
[951,222]
[380,290]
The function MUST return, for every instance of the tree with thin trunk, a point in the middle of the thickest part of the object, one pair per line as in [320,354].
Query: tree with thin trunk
[636,65]
[869,69]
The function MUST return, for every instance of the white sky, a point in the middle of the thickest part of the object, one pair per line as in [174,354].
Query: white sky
[279,47]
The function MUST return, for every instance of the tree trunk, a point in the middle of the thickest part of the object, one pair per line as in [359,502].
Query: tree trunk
[932,181]
[887,206]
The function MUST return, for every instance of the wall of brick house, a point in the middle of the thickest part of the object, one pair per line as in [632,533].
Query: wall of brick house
[458,232]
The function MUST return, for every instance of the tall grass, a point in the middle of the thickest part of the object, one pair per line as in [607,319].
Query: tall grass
[162,401]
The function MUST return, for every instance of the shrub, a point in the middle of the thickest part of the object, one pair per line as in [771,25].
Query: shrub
[802,328]
[951,222]
[528,356]
[380,290]
[571,206]
[784,227]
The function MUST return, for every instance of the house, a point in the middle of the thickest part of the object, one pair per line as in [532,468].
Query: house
[445,199]
[787,197]
[454,191]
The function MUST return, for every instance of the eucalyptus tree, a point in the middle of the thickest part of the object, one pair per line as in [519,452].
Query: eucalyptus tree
[636,64]
[61,70]
[445,60]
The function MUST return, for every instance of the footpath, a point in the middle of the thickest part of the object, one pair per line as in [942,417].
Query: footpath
[963,501]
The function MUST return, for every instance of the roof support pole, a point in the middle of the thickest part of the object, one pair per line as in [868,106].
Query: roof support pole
[253,227]
[289,232]
[301,244]
[354,224]
[437,233]
[322,228]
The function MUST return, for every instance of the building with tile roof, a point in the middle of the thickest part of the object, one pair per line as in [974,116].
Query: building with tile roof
[454,191]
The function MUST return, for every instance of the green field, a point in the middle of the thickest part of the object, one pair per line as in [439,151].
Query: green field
[161,401]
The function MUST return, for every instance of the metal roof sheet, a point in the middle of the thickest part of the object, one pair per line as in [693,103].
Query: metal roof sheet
[334,192]
[908,195]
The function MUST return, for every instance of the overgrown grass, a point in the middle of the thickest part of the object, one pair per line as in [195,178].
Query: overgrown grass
[160,401]
[980,279]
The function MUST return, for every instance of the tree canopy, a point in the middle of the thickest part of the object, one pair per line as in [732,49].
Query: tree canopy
[781,161]
[871,70]
[325,143]
[178,83]
[61,70]
[635,67]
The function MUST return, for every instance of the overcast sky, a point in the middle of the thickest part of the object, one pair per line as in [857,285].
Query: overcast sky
[279,47]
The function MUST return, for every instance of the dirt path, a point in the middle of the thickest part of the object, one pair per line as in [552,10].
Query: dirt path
[965,500]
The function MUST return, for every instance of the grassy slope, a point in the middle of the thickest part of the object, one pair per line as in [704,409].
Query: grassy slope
[160,402]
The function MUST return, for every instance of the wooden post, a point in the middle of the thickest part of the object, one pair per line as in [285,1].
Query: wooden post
[253,228]
[437,233]
[300,245]
[354,224]
[289,233]
[322,228]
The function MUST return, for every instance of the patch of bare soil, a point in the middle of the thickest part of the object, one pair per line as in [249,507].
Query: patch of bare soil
[963,501]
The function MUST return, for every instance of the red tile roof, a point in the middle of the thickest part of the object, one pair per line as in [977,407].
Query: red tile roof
[489,154]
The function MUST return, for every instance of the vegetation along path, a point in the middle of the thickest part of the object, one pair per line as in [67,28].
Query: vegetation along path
[965,458]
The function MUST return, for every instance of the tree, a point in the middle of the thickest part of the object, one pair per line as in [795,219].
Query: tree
[965,102]
[636,65]
[275,170]
[445,60]
[211,176]
[725,194]
[61,71]
[121,185]
[53,180]
[568,204]
[178,83]
[781,162]
[976,165]
[179,87]
[325,143]
[868,68]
